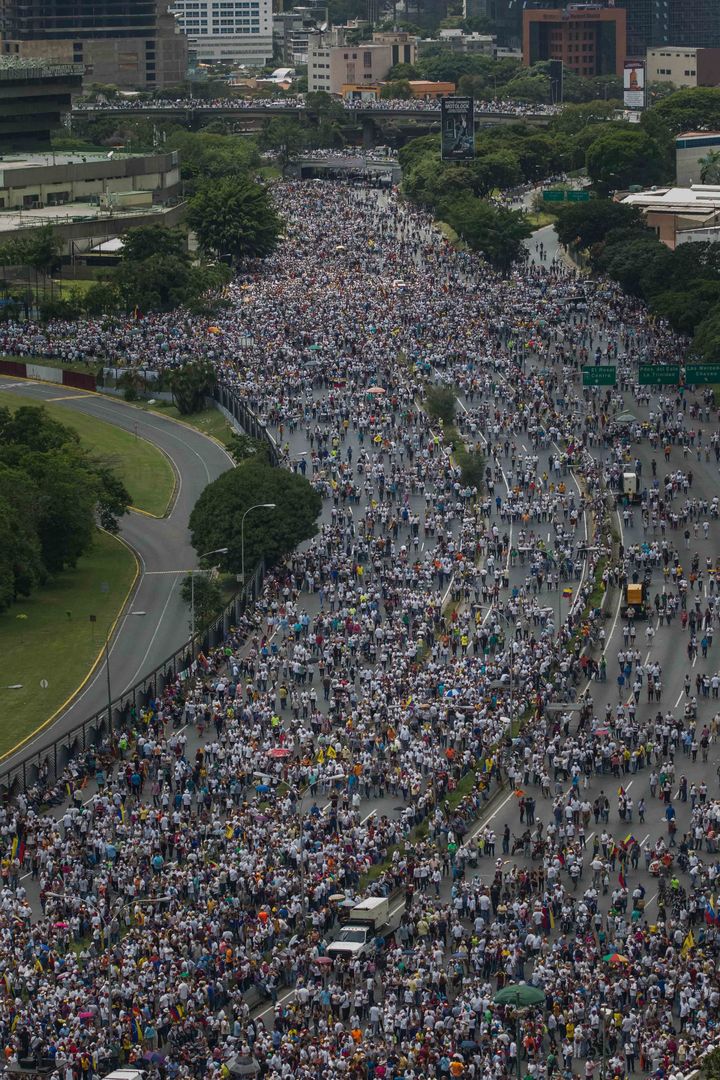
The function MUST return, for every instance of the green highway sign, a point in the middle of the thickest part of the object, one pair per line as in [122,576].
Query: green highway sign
[599,376]
[659,374]
[553,196]
[578,196]
[702,373]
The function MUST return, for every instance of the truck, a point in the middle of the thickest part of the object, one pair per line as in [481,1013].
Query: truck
[364,931]
[636,600]
[630,490]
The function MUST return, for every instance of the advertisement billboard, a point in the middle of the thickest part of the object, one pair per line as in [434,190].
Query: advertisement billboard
[634,84]
[457,140]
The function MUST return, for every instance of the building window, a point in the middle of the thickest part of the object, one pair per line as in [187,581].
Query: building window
[367,59]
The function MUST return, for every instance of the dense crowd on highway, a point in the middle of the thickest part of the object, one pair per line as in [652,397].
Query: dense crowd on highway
[136,104]
[425,703]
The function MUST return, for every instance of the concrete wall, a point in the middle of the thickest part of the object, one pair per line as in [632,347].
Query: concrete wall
[689,151]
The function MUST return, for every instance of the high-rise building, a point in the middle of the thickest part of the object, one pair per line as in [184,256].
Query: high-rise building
[505,16]
[684,23]
[34,97]
[129,43]
[590,39]
[230,31]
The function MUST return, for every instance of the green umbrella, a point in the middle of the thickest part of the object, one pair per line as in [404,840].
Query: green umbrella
[519,994]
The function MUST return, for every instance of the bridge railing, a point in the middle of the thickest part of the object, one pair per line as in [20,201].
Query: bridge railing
[49,759]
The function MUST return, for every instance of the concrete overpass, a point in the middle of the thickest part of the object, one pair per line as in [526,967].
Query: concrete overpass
[410,120]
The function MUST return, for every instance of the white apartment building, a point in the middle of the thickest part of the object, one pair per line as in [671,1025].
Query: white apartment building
[234,31]
[318,58]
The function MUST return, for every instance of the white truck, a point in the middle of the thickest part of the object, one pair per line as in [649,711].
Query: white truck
[367,922]
[630,492]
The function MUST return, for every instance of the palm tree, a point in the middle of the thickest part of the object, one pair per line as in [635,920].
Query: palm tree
[710,168]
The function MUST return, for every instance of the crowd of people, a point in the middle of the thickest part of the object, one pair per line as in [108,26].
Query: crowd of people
[435,651]
[136,104]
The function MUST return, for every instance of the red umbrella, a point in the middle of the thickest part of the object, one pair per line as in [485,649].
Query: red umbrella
[279,752]
[324,960]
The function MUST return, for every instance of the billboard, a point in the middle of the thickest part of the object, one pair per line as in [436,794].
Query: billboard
[634,84]
[457,138]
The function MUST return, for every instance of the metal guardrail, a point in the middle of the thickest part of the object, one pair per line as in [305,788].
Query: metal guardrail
[54,754]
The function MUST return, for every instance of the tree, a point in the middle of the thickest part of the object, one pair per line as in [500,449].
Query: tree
[440,403]
[707,336]
[500,169]
[397,88]
[626,262]
[190,385]
[149,241]
[575,118]
[205,156]
[686,309]
[588,223]
[204,593]
[496,232]
[624,156]
[164,283]
[40,249]
[234,218]
[531,88]
[217,516]
[284,135]
[710,168]
[241,447]
[692,109]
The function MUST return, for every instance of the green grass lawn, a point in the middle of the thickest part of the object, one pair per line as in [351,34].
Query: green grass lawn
[209,421]
[65,287]
[145,470]
[540,218]
[56,640]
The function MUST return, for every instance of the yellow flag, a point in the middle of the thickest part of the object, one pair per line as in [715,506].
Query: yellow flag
[688,944]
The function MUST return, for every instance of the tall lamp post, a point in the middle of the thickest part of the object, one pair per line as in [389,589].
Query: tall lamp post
[257,506]
[215,551]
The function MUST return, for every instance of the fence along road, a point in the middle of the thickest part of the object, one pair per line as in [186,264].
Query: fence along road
[143,647]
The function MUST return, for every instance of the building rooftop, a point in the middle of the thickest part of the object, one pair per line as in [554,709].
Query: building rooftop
[10,220]
[697,199]
[30,161]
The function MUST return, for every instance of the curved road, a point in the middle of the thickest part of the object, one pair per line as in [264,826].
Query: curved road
[162,545]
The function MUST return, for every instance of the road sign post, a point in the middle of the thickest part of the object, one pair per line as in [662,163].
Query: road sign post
[658,374]
[599,376]
[695,374]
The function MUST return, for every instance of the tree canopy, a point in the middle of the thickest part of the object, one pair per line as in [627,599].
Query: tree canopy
[586,224]
[234,218]
[190,384]
[682,286]
[52,492]
[622,156]
[217,516]
[496,232]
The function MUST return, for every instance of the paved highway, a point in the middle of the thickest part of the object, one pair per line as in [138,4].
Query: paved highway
[140,642]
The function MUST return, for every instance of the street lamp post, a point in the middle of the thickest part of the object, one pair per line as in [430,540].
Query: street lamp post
[215,551]
[257,506]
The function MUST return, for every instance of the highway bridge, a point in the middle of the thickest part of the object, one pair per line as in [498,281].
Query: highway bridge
[414,118]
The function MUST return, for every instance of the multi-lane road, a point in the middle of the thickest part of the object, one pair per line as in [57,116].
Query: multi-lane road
[162,547]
